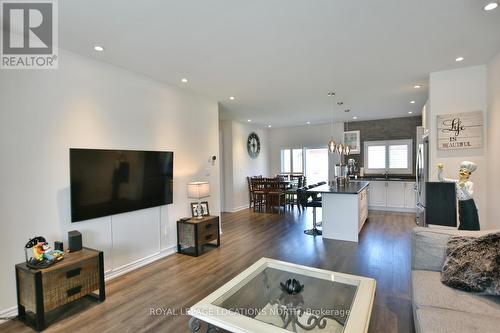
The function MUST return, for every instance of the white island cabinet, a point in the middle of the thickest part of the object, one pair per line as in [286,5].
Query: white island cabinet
[344,210]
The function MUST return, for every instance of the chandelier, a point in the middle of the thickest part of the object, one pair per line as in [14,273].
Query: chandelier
[334,147]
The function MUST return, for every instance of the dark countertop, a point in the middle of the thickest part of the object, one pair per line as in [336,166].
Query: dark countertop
[349,188]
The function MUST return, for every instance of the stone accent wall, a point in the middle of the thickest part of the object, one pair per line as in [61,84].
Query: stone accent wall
[384,129]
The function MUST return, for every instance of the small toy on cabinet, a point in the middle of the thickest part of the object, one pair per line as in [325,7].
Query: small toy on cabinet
[42,256]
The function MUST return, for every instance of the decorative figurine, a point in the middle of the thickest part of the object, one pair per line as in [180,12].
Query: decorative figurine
[38,251]
[291,286]
[469,219]
[52,255]
[42,255]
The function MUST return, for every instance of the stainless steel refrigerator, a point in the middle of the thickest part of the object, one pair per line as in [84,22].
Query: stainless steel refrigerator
[422,173]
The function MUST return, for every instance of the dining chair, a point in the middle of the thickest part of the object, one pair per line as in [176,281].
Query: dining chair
[259,194]
[276,196]
[250,192]
[297,182]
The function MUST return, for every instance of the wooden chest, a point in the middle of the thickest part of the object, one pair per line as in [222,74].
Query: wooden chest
[39,291]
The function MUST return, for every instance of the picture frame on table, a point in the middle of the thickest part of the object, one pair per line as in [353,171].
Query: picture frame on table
[353,140]
[204,209]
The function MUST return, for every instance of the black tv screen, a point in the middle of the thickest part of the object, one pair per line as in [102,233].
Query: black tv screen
[107,182]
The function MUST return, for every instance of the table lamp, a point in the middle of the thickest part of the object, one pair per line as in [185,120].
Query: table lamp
[198,190]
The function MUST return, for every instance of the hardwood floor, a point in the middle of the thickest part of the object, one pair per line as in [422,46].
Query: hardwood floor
[179,281]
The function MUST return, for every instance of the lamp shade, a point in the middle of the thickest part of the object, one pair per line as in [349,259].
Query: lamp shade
[198,190]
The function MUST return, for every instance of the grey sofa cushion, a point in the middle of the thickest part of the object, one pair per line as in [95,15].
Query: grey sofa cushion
[473,264]
[436,320]
[427,290]
[428,249]
[429,246]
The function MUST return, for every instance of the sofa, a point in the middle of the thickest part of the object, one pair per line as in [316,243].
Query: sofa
[436,307]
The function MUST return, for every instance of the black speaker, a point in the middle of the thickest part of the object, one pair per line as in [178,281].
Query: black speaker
[74,241]
[58,246]
[440,204]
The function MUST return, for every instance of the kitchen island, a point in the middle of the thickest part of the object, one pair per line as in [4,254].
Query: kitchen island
[344,209]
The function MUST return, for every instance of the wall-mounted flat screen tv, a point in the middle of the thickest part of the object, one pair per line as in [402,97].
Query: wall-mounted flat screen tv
[108,182]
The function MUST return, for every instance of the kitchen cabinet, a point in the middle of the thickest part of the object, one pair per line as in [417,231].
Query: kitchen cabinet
[410,196]
[396,196]
[362,208]
[378,194]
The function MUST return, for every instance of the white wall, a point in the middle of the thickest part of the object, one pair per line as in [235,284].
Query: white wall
[311,136]
[494,141]
[425,115]
[238,164]
[90,104]
[455,91]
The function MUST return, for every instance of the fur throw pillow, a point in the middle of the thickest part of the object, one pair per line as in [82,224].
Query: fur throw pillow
[473,264]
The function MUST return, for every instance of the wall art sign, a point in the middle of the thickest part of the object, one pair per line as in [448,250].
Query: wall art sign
[460,130]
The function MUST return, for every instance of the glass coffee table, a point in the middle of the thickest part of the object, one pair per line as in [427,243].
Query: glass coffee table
[277,296]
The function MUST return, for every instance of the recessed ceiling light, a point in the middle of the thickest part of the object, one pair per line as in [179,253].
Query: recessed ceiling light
[410,112]
[491,6]
[231,98]
[417,86]
[354,117]
[459,59]
[269,126]
[98,48]
[249,120]
[412,102]
[308,122]
[184,80]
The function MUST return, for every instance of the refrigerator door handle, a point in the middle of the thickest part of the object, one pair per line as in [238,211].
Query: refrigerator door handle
[417,163]
[417,173]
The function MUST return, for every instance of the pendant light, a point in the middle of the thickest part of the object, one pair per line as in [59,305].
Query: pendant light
[332,145]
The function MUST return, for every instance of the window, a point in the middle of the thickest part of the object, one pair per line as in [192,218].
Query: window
[311,162]
[316,165]
[286,161]
[292,161]
[376,157]
[394,156]
[297,164]
[398,157]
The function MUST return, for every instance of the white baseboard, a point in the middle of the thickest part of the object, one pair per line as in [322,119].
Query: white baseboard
[116,272]
[110,275]
[237,209]
[8,313]
[390,209]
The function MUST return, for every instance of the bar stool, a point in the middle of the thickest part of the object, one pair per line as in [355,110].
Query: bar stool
[304,202]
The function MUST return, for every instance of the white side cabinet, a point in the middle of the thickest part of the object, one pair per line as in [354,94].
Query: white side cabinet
[398,196]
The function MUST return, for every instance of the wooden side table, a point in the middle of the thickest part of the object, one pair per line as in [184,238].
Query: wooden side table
[39,291]
[194,233]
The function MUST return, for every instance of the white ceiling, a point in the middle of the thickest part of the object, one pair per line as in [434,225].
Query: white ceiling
[279,58]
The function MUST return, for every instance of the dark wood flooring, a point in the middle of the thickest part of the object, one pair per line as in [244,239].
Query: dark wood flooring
[178,281]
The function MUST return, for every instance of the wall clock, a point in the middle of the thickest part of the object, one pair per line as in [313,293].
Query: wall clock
[253,145]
